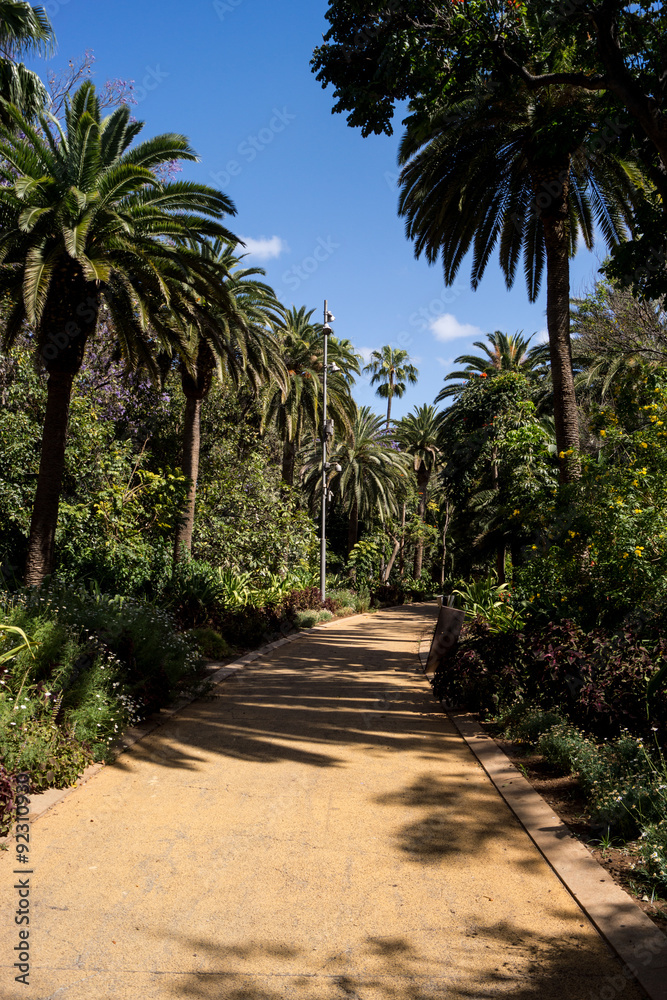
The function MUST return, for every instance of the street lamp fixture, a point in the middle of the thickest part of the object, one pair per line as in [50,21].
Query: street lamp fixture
[327,435]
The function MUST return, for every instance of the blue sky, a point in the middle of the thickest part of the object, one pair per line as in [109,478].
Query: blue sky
[315,202]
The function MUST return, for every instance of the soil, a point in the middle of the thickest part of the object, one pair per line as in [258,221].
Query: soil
[563,793]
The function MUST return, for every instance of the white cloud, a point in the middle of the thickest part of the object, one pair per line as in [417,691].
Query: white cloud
[541,337]
[447,327]
[365,353]
[265,248]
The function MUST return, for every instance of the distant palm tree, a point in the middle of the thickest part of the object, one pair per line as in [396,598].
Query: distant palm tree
[503,352]
[24,30]
[512,169]
[418,434]
[83,219]
[392,369]
[295,411]
[371,474]
[236,340]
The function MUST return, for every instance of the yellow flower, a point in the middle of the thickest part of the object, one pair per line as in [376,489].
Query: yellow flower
[603,432]
[643,444]
[635,482]
[625,555]
[533,546]
[637,510]
[561,454]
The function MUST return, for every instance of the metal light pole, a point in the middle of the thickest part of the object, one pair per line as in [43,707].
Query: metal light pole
[325,431]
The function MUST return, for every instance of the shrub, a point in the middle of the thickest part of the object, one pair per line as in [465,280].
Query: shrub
[598,679]
[211,643]
[306,619]
[389,594]
[7,800]
[625,785]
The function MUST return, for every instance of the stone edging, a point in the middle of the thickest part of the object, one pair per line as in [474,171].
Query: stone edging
[638,943]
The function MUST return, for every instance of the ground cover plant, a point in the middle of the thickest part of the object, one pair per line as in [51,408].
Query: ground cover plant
[624,780]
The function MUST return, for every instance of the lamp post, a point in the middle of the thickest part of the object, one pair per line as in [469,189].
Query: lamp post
[326,329]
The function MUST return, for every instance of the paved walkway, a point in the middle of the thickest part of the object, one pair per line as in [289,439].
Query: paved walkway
[315,831]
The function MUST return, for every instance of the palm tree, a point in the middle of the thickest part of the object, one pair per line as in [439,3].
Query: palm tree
[24,30]
[503,352]
[418,434]
[513,169]
[295,411]
[237,341]
[83,220]
[392,369]
[371,474]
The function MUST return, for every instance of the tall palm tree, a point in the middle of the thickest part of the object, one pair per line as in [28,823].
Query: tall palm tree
[83,219]
[236,340]
[371,470]
[295,411]
[24,30]
[418,434]
[512,169]
[392,369]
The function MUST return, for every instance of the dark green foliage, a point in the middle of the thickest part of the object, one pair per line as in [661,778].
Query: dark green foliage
[597,679]
[7,800]
[211,644]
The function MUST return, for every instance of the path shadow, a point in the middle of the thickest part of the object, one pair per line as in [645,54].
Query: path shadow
[330,688]
[475,962]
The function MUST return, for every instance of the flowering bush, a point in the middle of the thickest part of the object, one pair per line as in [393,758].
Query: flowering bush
[600,546]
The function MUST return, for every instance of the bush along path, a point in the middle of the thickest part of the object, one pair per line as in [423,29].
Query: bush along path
[590,704]
[317,829]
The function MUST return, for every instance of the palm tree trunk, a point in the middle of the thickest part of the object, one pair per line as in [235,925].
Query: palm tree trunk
[41,543]
[423,477]
[390,393]
[190,467]
[401,562]
[500,551]
[289,462]
[196,387]
[353,527]
[392,560]
[556,241]
[444,545]
[62,353]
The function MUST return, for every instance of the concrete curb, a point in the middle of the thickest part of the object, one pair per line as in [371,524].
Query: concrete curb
[43,801]
[638,943]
